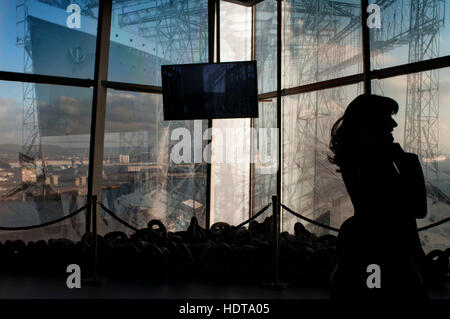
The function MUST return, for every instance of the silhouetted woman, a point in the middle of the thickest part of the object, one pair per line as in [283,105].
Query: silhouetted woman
[387,190]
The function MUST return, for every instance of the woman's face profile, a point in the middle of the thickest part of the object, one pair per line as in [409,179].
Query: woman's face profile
[379,131]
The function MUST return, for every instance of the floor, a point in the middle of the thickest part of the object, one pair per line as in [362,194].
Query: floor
[32,287]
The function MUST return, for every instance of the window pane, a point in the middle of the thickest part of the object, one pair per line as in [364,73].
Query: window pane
[311,185]
[235,32]
[146,35]
[410,31]
[264,183]
[322,40]
[266,45]
[230,174]
[44,153]
[36,37]
[423,99]
[141,179]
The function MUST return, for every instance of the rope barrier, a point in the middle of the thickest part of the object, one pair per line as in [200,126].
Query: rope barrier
[262,210]
[336,229]
[309,220]
[79,210]
[117,217]
[434,224]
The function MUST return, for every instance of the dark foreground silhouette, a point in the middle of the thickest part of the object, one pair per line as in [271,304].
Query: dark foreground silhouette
[387,189]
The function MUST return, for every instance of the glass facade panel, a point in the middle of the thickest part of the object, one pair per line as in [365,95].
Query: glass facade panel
[41,37]
[44,158]
[310,184]
[264,182]
[266,45]
[230,169]
[409,31]
[423,128]
[322,40]
[142,179]
[146,35]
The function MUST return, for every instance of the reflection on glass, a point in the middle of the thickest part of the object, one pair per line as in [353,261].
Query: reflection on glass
[423,128]
[311,185]
[146,35]
[141,181]
[264,185]
[266,45]
[322,40]
[230,180]
[411,31]
[44,152]
[38,37]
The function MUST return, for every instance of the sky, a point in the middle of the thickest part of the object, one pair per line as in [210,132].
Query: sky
[11,59]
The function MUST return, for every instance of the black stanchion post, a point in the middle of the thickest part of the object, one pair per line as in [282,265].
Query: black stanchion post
[276,284]
[94,232]
[94,280]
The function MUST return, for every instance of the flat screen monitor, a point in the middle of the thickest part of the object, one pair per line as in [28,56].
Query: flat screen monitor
[210,90]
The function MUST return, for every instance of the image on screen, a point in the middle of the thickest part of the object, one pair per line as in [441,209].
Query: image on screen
[207,91]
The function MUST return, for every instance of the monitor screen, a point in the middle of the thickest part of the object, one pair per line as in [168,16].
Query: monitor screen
[210,90]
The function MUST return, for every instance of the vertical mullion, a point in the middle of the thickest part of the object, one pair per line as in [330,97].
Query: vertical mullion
[99,105]
[279,97]
[211,58]
[279,65]
[218,31]
[365,47]
[252,120]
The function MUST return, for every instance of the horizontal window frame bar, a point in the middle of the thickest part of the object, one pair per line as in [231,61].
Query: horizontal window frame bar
[323,85]
[415,67]
[377,74]
[122,86]
[45,79]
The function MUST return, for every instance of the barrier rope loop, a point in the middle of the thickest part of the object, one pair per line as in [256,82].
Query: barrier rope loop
[434,224]
[113,215]
[79,210]
[109,212]
[259,213]
[337,230]
[309,220]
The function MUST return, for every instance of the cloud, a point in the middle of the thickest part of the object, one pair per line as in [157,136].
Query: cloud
[10,121]
[127,112]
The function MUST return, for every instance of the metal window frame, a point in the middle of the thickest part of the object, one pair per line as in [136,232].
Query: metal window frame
[98,116]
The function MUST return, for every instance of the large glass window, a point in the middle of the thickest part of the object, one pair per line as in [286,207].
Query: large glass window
[146,35]
[45,138]
[42,37]
[44,158]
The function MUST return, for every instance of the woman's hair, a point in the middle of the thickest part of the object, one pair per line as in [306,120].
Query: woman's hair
[364,112]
